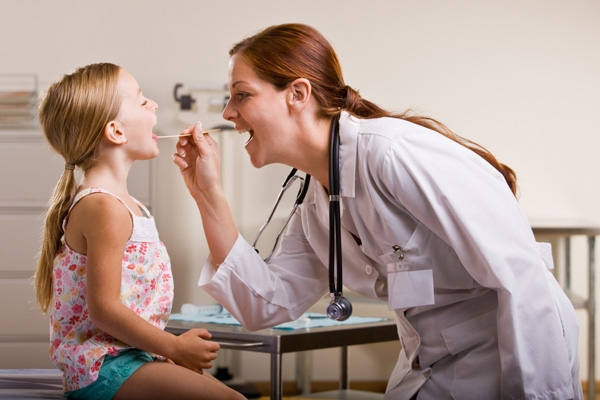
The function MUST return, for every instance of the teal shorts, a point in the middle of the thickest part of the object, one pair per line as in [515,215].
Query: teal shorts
[113,373]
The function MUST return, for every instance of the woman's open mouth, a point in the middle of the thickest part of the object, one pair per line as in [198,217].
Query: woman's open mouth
[250,132]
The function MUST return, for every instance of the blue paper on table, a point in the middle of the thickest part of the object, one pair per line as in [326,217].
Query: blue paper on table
[308,320]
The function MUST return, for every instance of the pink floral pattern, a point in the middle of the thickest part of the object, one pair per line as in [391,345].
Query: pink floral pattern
[77,347]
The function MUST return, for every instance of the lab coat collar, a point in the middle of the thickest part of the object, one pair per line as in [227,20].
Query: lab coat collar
[349,127]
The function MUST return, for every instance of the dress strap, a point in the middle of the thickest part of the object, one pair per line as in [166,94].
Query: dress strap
[91,190]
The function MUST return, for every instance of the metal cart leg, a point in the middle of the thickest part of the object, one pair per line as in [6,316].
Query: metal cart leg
[591,318]
[276,384]
[344,368]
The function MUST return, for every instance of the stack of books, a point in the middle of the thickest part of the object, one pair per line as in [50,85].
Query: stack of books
[18,101]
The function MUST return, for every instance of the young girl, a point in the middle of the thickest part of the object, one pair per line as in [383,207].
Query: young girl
[103,275]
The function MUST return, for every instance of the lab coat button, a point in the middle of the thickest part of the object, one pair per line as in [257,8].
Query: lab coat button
[368,269]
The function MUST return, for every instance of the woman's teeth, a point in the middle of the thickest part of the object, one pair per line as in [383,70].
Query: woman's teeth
[250,138]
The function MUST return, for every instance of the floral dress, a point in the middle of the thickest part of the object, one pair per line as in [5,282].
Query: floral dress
[77,347]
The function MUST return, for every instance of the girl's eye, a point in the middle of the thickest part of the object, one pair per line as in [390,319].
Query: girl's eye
[145,102]
[241,96]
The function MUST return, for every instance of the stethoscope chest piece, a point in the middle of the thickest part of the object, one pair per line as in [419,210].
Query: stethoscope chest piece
[339,309]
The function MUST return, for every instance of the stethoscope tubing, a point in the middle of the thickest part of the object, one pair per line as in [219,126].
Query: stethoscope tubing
[335,240]
[340,308]
[291,178]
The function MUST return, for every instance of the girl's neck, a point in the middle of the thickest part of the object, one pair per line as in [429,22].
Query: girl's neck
[111,179]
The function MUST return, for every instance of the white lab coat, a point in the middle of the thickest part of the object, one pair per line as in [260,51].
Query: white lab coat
[479,315]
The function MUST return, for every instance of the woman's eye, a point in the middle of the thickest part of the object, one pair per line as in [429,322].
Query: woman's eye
[241,96]
[145,102]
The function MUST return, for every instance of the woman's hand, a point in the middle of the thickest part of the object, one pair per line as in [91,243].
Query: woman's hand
[194,350]
[199,160]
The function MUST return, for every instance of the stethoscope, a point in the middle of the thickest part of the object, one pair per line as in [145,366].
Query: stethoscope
[339,308]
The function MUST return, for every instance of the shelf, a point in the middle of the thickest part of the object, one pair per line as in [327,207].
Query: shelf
[18,101]
[577,300]
[567,229]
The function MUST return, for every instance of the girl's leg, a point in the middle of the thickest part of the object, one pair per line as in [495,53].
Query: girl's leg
[164,380]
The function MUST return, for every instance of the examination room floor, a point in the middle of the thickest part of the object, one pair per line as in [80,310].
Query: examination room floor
[46,384]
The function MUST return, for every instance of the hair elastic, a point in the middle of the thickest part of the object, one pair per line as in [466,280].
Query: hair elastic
[69,167]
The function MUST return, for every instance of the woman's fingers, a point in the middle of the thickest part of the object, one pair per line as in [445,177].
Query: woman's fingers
[179,160]
[185,146]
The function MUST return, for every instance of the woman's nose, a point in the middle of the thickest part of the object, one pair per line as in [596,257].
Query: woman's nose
[228,112]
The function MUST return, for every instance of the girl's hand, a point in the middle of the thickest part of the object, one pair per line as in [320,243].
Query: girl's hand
[194,350]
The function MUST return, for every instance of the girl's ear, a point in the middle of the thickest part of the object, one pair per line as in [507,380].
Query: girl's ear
[114,134]
[299,92]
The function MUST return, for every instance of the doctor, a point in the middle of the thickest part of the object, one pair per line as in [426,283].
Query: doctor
[430,225]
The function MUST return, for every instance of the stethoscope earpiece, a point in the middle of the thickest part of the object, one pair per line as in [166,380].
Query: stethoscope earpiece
[339,309]
[304,182]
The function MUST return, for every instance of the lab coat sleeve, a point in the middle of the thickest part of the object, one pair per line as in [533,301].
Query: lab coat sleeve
[467,203]
[261,295]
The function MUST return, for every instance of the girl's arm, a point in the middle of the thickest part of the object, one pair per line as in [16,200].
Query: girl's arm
[106,226]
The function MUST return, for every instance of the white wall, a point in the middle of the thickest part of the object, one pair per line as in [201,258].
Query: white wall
[519,76]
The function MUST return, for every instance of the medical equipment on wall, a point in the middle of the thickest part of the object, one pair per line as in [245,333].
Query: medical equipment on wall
[216,95]
[339,307]
[200,101]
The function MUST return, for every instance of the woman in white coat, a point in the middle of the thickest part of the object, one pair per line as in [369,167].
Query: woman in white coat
[430,224]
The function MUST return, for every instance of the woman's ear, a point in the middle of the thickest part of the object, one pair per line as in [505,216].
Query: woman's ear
[299,92]
[114,134]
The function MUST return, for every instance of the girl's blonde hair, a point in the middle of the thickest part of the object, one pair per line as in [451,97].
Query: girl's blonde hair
[73,115]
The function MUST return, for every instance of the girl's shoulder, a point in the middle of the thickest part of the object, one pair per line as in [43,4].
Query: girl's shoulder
[101,209]
[100,200]
[97,218]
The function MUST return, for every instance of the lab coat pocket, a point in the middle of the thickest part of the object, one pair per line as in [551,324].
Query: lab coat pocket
[409,284]
[409,272]
[474,343]
[467,334]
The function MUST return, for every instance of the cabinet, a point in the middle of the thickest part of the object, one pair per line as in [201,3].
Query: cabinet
[29,170]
